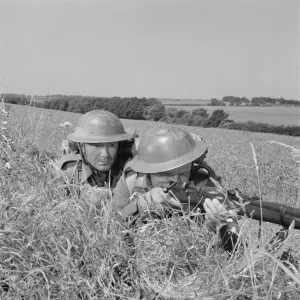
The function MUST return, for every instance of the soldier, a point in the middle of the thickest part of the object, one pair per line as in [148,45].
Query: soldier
[102,147]
[166,154]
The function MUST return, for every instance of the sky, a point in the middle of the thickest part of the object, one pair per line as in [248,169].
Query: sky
[187,49]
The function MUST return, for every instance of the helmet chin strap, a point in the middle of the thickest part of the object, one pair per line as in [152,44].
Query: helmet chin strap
[146,178]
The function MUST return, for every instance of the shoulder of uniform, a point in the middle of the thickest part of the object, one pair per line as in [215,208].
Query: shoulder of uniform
[68,160]
[128,167]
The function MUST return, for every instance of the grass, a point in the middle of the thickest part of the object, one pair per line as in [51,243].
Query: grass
[54,246]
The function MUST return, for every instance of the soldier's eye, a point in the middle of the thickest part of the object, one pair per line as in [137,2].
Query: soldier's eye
[94,145]
[99,145]
[167,175]
[162,174]
[185,174]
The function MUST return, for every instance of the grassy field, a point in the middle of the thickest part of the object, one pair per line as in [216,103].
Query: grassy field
[58,247]
[269,115]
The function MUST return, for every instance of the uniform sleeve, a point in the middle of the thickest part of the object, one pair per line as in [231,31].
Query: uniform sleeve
[121,193]
[62,173]
[65,167]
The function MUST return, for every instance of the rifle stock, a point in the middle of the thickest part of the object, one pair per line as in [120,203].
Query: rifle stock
[193,197]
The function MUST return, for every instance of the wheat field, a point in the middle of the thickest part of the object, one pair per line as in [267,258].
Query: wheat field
[54,246]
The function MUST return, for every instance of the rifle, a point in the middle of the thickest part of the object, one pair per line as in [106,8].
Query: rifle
[192,197]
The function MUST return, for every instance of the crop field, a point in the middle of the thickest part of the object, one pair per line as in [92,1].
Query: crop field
[58,246]
[185,101]
[269,115]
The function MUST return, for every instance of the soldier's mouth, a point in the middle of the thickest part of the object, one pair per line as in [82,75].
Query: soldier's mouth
[104,162]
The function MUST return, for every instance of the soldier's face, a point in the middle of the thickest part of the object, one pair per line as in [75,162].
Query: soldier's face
[101,155]
[180,174]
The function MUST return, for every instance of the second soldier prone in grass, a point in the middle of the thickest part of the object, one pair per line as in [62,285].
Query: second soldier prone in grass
[166,154]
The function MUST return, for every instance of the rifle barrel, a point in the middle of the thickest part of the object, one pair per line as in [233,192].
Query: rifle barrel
[278,207]
[271,212]
[192,197]
[271,216]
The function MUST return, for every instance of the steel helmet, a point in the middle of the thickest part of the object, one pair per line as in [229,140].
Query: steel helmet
[166,148]
[99,126]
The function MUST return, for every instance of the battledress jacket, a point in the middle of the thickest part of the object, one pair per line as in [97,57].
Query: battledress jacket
[77,172]
[131,181]
[81,178]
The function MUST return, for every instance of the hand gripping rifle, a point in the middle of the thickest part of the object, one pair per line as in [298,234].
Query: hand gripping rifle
[192,197]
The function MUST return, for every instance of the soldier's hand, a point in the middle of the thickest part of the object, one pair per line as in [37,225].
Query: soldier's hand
[95,195]
[216,212]
[156,199]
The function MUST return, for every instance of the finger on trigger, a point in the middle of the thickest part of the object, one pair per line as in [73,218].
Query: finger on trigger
[209,206]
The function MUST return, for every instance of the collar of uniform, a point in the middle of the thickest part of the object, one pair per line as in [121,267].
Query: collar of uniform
[86,172]
[144,179]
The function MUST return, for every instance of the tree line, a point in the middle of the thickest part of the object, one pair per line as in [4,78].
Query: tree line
[150,109]
[255,101]
[126,108]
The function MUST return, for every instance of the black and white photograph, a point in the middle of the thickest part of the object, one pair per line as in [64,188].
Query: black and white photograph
[150,149]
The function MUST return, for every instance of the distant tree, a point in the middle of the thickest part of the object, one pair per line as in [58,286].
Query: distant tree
[214,102]
[225,123]
[216,118]
[200,112]
[171,112]
[155,112]
[181,113]
[232,100]
[17,99]
[75,106]
[188,119]
[256,101]
[198,121]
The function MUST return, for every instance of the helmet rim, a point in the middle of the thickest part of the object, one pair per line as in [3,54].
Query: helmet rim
[145,167]
[99,139]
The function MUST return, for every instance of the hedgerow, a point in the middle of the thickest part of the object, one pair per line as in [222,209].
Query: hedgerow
[153,109]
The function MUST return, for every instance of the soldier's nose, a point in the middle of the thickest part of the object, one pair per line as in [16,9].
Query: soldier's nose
[104,151]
